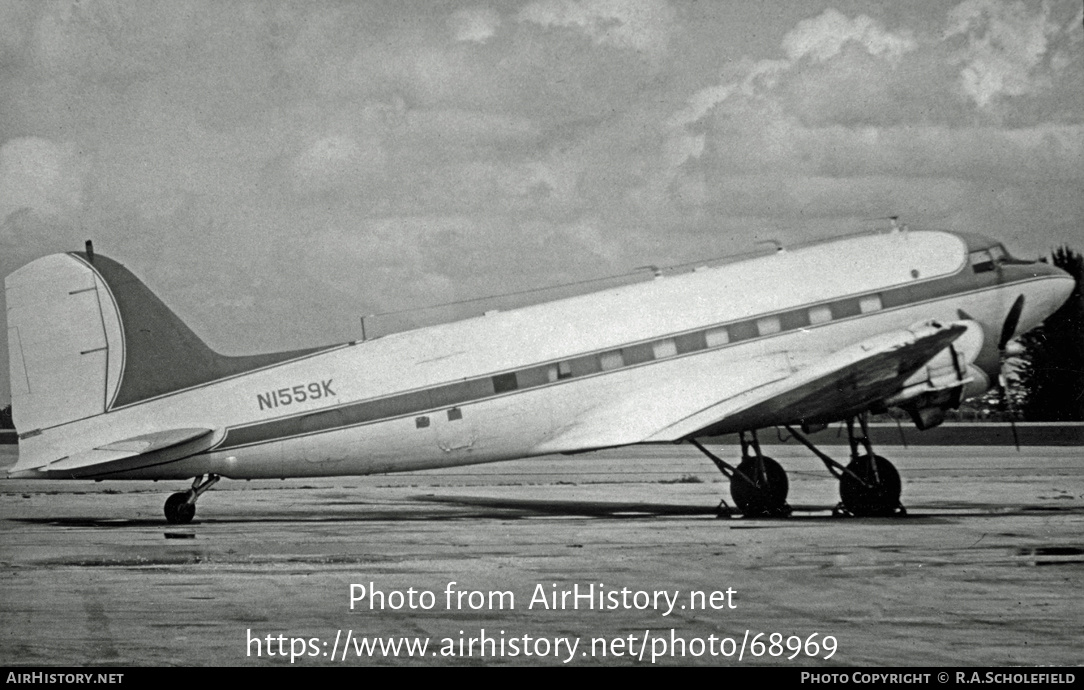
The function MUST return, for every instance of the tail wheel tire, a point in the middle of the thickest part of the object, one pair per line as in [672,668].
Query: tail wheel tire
[179,511]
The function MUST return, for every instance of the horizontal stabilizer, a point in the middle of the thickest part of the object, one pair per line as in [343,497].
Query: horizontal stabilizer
[127,454]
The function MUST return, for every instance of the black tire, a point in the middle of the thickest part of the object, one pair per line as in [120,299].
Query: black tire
[758,495]
[881,498]
[178,510]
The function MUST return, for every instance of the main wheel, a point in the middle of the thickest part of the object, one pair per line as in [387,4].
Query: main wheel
[764,494]
[178,509]
[879,496]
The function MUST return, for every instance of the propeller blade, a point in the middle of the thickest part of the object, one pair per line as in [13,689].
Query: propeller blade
[1011,322]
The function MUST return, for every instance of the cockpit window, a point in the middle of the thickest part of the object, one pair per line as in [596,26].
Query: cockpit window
[991,257]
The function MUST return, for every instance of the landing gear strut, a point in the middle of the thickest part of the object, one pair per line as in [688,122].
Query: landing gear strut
[869,486]
[181,507]
[758,484]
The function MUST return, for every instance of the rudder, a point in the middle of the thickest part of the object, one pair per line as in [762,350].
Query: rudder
[64,342]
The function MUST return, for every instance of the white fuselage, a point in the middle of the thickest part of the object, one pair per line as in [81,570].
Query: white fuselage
[605,369]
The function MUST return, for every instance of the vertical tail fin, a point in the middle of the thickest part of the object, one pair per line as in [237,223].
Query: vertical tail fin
[65,343]
[85,337]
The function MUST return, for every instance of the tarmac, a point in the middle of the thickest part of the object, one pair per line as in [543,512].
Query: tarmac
[483,565]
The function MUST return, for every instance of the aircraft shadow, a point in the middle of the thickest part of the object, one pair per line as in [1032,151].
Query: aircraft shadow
[570,508]
[458,508]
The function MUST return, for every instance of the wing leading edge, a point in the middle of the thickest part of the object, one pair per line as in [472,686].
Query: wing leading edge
[897,365]
[776,388]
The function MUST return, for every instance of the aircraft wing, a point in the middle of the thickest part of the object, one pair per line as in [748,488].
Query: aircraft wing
[126,454]
[771,389]
[845,383]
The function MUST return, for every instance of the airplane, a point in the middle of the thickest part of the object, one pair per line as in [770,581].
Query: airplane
[108,383]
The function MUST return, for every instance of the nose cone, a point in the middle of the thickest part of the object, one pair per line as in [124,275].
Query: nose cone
[1040,298]
[1061,285]
[1047,295]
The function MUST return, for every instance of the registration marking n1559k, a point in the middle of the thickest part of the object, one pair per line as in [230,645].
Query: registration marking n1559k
[296,394]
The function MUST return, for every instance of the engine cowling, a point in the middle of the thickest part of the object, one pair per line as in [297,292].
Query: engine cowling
[945,380]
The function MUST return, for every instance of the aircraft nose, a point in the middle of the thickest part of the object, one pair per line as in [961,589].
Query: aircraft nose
[1062,285]
[1037,300]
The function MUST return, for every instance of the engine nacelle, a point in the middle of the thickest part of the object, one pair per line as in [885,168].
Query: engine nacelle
[927,408]
[945,380]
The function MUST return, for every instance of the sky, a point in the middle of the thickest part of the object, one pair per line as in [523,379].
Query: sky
[276,170]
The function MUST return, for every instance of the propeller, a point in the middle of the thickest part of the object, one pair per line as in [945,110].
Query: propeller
[1012,320]
[1008,329]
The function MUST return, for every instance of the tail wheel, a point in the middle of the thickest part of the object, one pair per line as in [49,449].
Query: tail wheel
[879,496]
[179,510]
[760,493]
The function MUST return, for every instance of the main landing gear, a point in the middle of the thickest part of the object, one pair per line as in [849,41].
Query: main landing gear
[869,486]
[181,506]
[758,484]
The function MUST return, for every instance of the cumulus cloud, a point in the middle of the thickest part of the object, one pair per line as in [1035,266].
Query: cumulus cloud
[860,54]
[856,72]
[1006,46]
[642,25]
[41,175]
[824,37]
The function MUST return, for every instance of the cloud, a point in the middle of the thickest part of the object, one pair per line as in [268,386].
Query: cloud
[41,175]
[832,63]
[700,103]
[474,24]
[824,37]
[857,73]
[641,25]
[1006,46]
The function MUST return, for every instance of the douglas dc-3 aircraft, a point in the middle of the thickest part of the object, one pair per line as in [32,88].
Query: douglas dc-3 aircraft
[107,383]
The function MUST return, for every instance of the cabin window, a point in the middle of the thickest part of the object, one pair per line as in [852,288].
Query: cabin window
[981,261]
[421,422]
[717,336]
[455,414]
[664,348]
[768,325]
[869,303]
[503,383]
[820,314]
[611,360]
